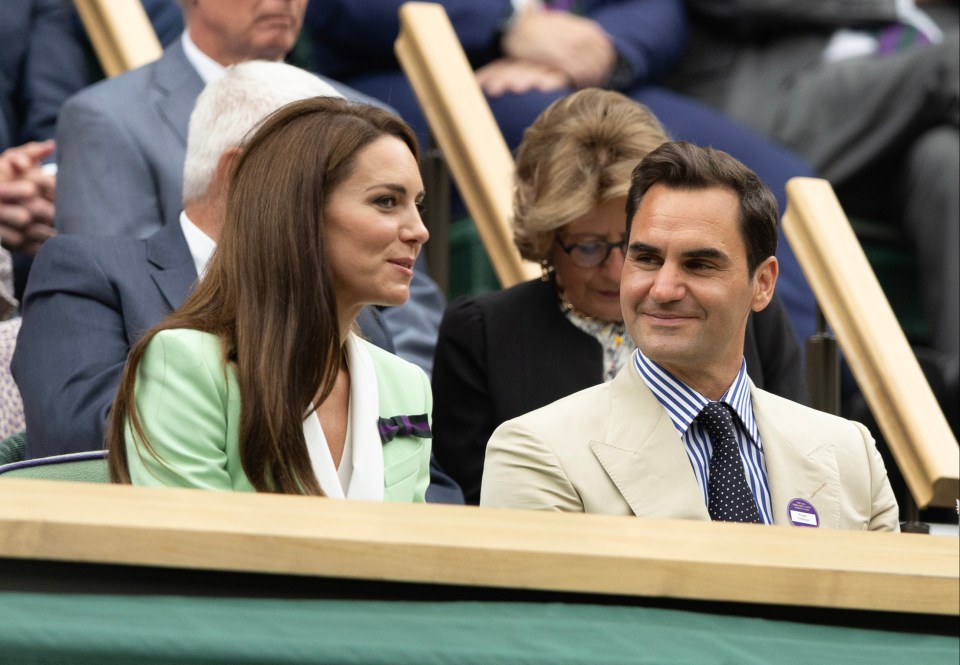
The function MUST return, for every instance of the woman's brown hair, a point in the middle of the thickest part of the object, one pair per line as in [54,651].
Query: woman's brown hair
[267,291]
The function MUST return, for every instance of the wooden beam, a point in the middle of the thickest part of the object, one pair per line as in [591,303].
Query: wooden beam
[464,545]
[465,130]
[121,33]
[873,343]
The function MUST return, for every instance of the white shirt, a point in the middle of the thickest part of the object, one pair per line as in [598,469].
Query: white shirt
[683,403]
[360,475]
[209,69]
[846,43]
[201,245]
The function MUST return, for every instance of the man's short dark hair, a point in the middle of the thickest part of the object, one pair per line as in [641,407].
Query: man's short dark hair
[685,166]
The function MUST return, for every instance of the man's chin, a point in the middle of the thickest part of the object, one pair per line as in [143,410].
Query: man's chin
[664,350]
[275,48]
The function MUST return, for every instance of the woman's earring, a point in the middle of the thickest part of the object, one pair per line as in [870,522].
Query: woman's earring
[545,269]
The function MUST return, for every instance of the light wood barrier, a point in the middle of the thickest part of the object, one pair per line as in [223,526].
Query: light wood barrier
[120,32]
[873,343]
[465,130]
[459,545]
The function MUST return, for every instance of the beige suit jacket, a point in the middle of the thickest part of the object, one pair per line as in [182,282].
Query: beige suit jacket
[613,449]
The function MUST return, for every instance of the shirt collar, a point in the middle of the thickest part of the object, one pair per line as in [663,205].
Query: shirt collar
[209,69]
[683,403]
[201,245]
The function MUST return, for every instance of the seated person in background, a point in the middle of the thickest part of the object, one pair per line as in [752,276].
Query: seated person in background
[27,194]
[259,382]
[11,406]
[682,432]
[506,353]
[41,64]
[529,53]
[867,92]
[122,142]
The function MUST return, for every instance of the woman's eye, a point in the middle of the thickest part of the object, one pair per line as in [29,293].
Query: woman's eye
[386,201]
[589,250]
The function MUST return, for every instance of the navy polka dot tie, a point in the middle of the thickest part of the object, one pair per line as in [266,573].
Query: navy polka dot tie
[729,498]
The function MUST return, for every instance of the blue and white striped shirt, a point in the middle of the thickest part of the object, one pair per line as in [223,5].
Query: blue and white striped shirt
[684,404]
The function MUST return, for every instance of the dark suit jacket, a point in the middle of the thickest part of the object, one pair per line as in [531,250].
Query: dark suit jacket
[507,353]
[121,145]
[742,52]
[89,299]
[41,64]
[648,34]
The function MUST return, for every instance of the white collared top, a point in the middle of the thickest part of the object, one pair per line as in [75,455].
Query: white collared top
[360,475]
[209,69]
[201,245]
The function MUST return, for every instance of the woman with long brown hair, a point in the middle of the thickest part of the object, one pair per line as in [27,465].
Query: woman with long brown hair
[259,381]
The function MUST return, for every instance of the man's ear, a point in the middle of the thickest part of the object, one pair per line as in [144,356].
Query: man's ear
[764,281]
[225,164]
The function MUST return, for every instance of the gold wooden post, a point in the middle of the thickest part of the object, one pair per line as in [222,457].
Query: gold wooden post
[120,32]
[465,129]
[873,343]
[464,545]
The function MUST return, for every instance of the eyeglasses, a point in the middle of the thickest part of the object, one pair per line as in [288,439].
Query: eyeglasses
[591,254]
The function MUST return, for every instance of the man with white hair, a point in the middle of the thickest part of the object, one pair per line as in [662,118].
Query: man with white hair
[90,298]
[121,143]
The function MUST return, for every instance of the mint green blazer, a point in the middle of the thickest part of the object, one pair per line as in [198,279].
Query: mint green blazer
[189,405]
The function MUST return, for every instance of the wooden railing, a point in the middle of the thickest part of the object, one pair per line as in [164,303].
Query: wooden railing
[464,545]
[873,343]
[120,32]
[465,130]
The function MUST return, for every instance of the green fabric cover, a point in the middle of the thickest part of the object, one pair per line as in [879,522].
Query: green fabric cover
[12,448]
[81,471]
[471,272]
[104,629]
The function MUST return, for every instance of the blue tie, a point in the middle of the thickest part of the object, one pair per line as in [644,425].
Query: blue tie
[729,498]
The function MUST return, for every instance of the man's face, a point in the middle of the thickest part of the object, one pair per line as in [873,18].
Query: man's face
[685,290]
[232,31]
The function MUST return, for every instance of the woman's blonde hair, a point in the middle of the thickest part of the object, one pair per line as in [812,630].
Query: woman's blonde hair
[577,154]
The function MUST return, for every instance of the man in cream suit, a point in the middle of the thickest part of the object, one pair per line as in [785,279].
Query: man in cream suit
[681,432]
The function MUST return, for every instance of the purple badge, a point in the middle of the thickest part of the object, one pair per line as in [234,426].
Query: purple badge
[802,513]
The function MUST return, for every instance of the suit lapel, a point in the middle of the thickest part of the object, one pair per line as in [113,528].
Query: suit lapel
[797,468]
[403,456]
[177,85]
[174,272]
[644,456]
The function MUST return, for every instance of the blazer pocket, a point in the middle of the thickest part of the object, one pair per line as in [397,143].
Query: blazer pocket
[401,467]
